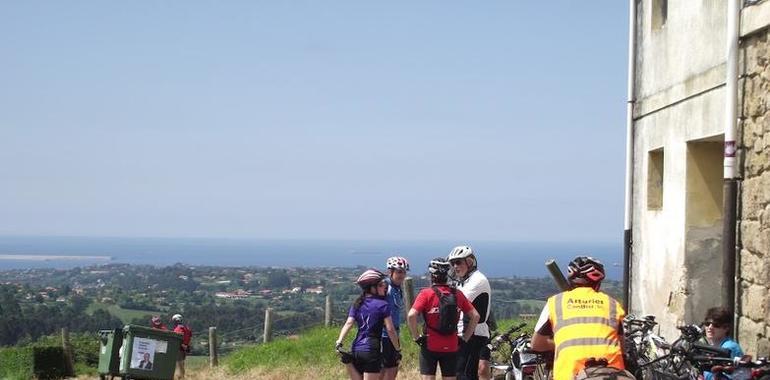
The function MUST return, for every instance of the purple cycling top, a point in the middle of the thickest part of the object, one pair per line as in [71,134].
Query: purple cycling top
[370,318]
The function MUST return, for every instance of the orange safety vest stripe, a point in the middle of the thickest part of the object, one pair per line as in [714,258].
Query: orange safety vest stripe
[585,324]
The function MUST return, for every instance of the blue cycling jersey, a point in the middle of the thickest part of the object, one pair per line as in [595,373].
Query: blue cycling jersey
[395,298]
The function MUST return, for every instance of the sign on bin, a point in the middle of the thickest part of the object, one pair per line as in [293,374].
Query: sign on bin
[144,353]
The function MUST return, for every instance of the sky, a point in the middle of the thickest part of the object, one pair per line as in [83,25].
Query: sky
[495,120]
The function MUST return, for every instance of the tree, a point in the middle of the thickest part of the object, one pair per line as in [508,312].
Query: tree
[278,279]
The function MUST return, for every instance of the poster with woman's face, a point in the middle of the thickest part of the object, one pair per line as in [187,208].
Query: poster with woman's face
[143,355]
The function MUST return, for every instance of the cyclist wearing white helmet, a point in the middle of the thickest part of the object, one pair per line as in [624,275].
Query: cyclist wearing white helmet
[397,268]
[184,349]
[370,312]
[475,287]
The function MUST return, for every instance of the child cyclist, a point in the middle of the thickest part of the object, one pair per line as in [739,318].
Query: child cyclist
[397,268]
[370,313]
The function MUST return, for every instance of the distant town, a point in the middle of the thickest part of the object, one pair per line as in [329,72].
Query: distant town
[233,299]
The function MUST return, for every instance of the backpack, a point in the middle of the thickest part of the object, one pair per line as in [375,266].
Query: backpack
[448,314]
[604,373]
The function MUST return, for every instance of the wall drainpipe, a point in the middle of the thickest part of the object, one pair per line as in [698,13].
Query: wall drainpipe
[730,178]
[627,224]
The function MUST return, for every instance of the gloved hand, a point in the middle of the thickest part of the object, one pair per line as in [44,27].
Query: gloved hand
[337,345]
[421,340]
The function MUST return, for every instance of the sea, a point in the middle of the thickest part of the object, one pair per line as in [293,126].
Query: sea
[496,258]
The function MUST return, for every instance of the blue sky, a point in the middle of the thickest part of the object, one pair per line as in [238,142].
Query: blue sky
[497,120]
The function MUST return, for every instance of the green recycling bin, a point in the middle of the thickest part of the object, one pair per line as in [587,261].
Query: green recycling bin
[110,342]
[149,353]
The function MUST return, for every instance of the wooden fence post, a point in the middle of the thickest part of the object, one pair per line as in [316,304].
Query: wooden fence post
[328,313]
[69,365]
[268,335]
[213,357]
[408,295]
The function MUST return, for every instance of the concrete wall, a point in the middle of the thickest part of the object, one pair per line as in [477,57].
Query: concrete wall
[679,92]
[679,109]
[754,207]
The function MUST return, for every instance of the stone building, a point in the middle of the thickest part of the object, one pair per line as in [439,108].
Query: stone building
[677,124]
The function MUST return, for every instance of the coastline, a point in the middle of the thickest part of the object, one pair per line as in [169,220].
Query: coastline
[51,257]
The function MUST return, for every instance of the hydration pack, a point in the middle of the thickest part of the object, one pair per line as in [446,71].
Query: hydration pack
[448,314]
[604,373]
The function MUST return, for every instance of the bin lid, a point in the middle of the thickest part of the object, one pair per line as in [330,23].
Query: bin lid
[165,334]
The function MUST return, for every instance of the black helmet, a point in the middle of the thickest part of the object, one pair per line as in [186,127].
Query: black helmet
[585,270]
[439,266]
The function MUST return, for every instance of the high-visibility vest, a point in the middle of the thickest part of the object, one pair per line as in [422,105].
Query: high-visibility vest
[586,324]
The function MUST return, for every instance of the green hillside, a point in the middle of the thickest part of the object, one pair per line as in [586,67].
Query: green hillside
[314,349]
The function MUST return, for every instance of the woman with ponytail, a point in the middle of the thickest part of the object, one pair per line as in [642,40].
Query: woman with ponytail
[371,313]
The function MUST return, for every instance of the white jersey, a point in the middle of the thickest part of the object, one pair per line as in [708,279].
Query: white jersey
[474,286]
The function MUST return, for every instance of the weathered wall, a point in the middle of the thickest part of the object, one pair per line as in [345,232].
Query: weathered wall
[679,105]
[680,100]
[754,293]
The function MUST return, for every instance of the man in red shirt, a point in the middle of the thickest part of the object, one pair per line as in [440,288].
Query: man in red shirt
[184,349]
[438,346]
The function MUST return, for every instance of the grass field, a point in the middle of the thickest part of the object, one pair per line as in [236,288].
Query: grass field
[311,355]
[125,315]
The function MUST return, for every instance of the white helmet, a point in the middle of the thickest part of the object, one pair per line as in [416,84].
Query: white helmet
[177,318]
[398,262]
[460,252]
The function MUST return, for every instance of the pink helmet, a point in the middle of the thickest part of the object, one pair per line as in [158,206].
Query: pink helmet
[398,262]
[370,277]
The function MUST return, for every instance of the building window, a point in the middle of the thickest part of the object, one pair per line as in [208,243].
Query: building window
[659,13]
[655,179]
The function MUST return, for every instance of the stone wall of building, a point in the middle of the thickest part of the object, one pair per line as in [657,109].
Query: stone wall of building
[754,208]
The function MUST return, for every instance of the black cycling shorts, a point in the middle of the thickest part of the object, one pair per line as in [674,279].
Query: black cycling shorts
[367,362]
[485,353]
[388,354]
[468,357]
[429,360]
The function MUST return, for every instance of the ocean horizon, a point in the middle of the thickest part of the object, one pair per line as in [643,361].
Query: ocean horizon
[496,258]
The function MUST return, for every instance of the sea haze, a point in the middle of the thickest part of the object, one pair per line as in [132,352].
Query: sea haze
[496,259]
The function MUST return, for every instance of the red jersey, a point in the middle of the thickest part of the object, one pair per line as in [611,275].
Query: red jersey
[427,303]
[186,335]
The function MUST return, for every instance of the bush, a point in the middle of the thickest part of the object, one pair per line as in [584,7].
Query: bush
[49,363]
[16,363]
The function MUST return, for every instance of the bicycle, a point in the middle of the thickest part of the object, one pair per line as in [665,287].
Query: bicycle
[643,348]
[687,357]
[744,369]
[521,362]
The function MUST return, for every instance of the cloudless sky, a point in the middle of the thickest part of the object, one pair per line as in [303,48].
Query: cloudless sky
[499,120]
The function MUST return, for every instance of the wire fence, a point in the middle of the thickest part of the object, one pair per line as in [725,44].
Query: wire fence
[228,341]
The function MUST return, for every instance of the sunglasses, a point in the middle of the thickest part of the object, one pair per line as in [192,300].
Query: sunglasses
[455,262]
[715,324]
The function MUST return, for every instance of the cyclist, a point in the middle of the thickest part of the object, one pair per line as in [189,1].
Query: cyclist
[718,323]
[184,349]
[157,323]
[370,312]
[582,324]
[440,347]
[475,286]
[397,268]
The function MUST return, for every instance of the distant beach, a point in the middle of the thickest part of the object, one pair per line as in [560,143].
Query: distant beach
[52,257]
